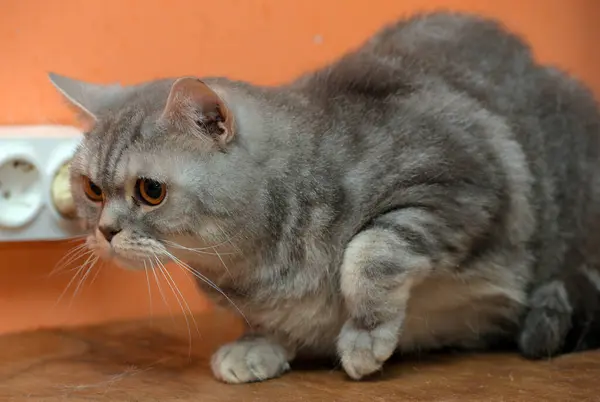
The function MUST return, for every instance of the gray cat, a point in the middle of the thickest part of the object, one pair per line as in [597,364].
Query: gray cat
[434,188]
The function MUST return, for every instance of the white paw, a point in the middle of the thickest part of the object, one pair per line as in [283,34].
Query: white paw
[362,351]
[249,361]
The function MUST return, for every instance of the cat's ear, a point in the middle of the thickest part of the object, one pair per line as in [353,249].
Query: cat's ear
[193,104]
[86,98]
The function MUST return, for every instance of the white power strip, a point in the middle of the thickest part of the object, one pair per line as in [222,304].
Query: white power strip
[31,160]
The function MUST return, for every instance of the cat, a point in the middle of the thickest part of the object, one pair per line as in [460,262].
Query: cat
[435,187]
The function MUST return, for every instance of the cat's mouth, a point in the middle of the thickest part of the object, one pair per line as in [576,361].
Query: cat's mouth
[112,256]
[125,256]
[128,251]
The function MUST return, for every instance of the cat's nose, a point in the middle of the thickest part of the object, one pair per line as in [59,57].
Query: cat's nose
[109,232]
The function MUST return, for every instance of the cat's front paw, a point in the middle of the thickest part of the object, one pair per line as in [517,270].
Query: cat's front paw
[249,361]
[363,351]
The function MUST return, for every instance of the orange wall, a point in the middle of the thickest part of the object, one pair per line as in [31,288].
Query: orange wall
[264,41]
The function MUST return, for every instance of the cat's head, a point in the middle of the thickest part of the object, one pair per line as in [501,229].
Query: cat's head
[159,169]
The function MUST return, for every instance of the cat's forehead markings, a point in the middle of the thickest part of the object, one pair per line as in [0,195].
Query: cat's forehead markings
[86,161]
[125,130]
[86,164]
[120,175]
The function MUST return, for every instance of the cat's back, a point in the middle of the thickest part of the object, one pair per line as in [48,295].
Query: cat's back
[552,115]
[471,57]
[469,53]
[454,43]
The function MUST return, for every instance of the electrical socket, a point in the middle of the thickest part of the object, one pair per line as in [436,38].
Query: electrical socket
[35,204]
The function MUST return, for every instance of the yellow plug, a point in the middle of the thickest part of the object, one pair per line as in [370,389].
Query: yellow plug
[61,193]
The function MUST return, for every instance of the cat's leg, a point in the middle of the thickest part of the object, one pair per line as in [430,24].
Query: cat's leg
[251,358]
[547,322]
[381,264]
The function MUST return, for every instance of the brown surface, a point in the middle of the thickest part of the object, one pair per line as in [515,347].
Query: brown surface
[151,362]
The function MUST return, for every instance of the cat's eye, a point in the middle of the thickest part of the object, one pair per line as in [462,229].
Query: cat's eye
[92,191]
[150,192]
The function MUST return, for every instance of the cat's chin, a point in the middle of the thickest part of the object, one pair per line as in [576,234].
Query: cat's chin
[128,264]
[135,264]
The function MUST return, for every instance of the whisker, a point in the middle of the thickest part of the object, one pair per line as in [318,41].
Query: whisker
[182,299]
[191,280]
[175,290]
[224,265]
[229,239]
[75,276]
[203,278]
[88,270]
[194,250]
[219,255]
[97,272]
[83,254]
[70,256]
[71,251]
[149,290]
[160,290]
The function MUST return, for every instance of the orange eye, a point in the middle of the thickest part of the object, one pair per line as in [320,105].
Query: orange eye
[92,191]
[150,192]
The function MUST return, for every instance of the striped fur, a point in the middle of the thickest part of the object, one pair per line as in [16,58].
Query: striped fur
[435,187]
